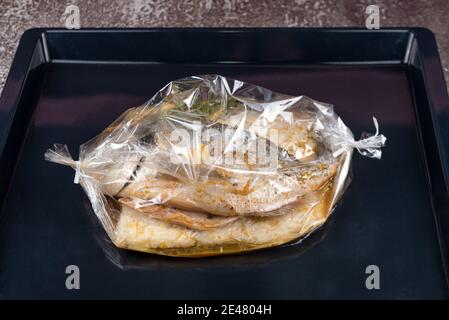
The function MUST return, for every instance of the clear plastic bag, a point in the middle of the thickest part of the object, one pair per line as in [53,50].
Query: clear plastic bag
[212,165]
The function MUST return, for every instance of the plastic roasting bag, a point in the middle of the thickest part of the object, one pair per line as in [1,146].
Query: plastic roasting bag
[212,165]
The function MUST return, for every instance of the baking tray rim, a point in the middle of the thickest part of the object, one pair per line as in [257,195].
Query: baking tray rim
[427,61]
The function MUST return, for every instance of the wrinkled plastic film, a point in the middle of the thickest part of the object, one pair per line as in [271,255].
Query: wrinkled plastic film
[212,165]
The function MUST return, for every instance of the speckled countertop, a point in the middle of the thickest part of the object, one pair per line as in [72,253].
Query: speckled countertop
[18,15]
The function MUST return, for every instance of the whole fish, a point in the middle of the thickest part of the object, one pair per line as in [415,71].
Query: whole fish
[237,196]
[142,232]
[192,220]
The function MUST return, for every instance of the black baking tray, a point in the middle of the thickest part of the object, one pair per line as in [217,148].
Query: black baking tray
[66,86]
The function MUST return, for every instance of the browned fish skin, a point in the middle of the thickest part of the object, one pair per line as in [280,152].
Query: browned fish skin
[192,220]
[235,197]
[142,232]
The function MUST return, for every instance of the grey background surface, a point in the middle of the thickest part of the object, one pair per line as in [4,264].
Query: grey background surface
[18,15]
